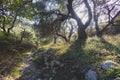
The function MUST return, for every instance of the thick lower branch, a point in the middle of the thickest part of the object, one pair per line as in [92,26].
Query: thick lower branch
[118,13]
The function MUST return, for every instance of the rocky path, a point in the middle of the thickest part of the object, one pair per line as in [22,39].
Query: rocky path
[46,71]
[26,68]
[27,60]
[29,71]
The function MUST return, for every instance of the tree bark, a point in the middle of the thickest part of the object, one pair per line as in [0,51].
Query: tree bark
[71,31]
[89,13]
[4,24]
[81,27]
[70,34]
[55,40]
[96,15]
[13,23]
[64,37]
[97,29]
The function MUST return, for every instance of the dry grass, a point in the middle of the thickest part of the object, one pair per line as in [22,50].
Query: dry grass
[90,56]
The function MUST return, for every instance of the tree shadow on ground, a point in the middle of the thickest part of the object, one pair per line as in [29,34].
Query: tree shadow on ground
[53,66]
[70,60]
[110,46]
[77,61]
[112,52]
[72,65]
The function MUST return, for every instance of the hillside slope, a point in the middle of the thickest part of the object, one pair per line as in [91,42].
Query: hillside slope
[12,53]
[63,61]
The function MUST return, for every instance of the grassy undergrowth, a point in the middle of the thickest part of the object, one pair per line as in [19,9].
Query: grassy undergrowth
[79,57]
[12,53]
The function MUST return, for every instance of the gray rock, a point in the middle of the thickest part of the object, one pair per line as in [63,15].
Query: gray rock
[117,78]
[46,75]
[39,79]
[91,75]
[50,78]
[108,64]
[74,78]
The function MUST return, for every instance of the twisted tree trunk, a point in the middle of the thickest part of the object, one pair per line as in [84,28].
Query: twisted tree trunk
[81,27]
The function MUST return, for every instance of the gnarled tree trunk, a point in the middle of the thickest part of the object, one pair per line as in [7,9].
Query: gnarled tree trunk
[81,27]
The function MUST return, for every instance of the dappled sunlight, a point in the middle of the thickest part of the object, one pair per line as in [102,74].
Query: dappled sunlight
[12,55]
[113,40]
[60,47]
[12,65]
[80,56]
[59,39]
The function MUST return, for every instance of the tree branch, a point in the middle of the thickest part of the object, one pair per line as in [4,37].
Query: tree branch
[72,12]
[71,31]
[15,17]
[64,37]
[89,14]
[118,13]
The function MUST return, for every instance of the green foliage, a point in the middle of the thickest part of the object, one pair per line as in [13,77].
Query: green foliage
[26,34]
[48,27]
[12,10]
[9,43]
[111,73]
